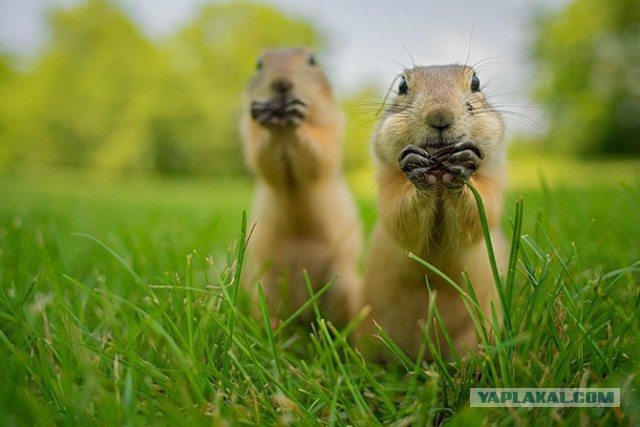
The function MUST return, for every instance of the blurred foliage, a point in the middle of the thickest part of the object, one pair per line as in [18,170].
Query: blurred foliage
[588,59]
[102,95]
[361,110]
[6,79]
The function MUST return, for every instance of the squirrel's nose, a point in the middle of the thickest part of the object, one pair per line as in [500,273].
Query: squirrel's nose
[281,85]
[440,118]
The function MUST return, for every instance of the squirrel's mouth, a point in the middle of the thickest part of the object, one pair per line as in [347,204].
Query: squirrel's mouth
[282,112]
[438,142]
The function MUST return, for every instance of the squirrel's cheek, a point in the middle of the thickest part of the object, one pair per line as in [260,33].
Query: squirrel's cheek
[388,126]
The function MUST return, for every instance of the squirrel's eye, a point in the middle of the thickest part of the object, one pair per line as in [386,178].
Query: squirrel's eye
[312,60]
[475,83]
[259,64]
[403,87]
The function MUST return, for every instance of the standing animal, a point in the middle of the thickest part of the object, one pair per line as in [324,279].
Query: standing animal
[438,133]
[305,217]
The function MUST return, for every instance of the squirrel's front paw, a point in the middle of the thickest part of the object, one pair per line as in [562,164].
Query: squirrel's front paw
[464,160]
[418,166]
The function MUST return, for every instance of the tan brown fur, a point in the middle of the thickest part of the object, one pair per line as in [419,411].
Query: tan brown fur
[304,214]
[441,225]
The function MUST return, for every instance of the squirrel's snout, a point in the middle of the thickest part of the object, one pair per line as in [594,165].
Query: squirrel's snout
[440,118]
[281,86]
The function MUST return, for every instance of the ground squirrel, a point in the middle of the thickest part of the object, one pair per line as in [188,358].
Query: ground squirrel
[304,215]
[438,132]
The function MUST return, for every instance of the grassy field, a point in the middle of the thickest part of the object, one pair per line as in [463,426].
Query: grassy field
[119,305]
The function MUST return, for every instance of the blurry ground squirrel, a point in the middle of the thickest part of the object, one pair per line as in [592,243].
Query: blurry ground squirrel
[305,216]
[438,132]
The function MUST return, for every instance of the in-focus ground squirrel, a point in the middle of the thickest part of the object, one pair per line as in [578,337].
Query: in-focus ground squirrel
[305,217]
[438,132]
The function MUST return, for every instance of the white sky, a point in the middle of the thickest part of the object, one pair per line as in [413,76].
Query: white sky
[369,40]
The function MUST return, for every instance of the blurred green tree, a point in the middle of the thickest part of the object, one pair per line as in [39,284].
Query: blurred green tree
[6,71]
[7,75]
[362,113]
[75,106]
[102,95]
[588,58]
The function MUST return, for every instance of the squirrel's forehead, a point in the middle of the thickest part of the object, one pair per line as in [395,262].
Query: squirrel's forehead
[280,54]
[440,72]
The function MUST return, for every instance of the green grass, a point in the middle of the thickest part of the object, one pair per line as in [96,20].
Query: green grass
[119,305]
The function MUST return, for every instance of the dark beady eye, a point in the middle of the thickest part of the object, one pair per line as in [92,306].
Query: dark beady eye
[259,64]
[312,60]
[403,87]
[475,83]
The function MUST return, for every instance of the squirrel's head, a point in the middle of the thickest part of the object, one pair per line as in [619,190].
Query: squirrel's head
[434,107]
[287,86]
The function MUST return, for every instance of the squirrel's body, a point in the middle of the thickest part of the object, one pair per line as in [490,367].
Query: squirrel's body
[438,133]
[305,217]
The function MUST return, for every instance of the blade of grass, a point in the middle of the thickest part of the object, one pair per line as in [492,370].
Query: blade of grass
[188,284]
[158,328]
[267,326]
[350,353]
[242,242]
[409,365]
[333,417]
[120,260]
[355,393]
[492,257]
[515,249]
[312,300]
[304,307]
